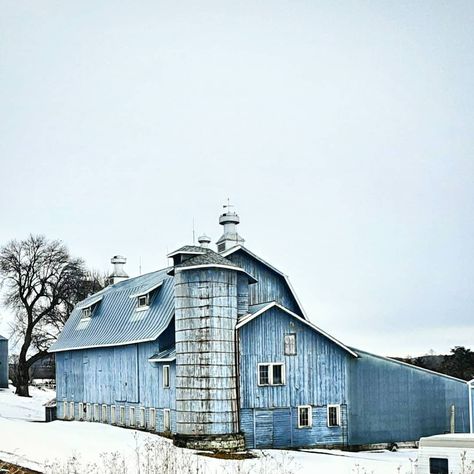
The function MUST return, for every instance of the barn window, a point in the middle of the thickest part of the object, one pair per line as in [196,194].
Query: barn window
[80,411]
[71,411]
[142,418]
[86,312]
[305,419]
[271,374]
[112,415]
[439,466]
[88,412]
[96,412]
[104,414]
[152,419]
[166,420]
[166,376]
[143,301]
[334,415]
[290,344]
[122,415]
[132,416]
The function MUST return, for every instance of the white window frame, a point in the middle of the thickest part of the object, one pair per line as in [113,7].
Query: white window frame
[131,416]
[152,419]
[166,420]
[338,415]
[310,416]
[96,412]
[270,374]
[80,411]
[86,313]
[88,412]
[103,415]
[166,370]
[122,415]
[285,345]
[146,302]
[71,410]
[142,417]
[112,414]
[65,410]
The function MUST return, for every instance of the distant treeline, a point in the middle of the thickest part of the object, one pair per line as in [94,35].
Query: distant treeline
[459,363]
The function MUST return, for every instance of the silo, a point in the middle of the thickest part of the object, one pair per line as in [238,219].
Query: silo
[3,362]
[206,306]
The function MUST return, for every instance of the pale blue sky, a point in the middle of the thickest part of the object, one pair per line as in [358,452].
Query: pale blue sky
[342,131]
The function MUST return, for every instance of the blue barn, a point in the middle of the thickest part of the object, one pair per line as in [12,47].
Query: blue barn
[3,362]
[217,351]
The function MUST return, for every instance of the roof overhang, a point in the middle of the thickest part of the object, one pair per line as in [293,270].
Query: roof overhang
[90,302]
[213,265]
[185,252]
[146,290]
[249,317]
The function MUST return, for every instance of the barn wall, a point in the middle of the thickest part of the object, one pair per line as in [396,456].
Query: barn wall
[3,363]
[391,402]
[316,376]
[270,285]
[120,376]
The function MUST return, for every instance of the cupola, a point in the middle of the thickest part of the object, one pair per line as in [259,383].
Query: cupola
[230,237]
[118,273]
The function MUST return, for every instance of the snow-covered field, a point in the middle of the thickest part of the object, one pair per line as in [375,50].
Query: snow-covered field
[63,447]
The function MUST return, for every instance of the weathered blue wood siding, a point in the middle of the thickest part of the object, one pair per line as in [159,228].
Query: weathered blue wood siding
[3,362]
[270,285]
[390,402]
[316,376]
[120,376]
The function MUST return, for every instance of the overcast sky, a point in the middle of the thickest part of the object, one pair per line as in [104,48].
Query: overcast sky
[342,132]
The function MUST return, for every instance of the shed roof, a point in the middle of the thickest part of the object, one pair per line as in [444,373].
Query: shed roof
[450,440]
[166,355]
[3,338]
[115,320]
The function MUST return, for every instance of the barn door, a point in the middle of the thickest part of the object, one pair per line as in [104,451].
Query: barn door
[263,428]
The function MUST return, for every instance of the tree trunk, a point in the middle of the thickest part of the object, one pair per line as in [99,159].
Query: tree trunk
[22,386]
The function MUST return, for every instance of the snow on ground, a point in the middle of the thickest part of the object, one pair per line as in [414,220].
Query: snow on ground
[26,441]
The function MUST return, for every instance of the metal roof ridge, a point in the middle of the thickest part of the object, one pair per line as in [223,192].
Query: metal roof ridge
[409,365]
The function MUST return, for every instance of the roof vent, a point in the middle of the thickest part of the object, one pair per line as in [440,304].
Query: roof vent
[230,237]
[118,273]
[204,241]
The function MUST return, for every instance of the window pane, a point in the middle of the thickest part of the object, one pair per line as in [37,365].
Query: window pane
[333,416]
[277,375]
[290,344]
[263,375]
[304,416]
[166,376]
[439,466]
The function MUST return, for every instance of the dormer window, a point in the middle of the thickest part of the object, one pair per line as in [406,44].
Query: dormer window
[86,312]
[143,301]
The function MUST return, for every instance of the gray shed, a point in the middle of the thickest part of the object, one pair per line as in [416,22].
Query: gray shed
[3,362]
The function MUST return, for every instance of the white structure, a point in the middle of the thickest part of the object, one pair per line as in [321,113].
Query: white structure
[446,454]
[118,273]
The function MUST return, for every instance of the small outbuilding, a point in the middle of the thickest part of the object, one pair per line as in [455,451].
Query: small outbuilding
[3,362]
[447,453]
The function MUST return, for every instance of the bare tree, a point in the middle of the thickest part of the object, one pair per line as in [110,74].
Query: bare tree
[43,283]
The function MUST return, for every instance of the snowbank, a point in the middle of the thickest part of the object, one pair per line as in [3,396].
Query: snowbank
[61,446]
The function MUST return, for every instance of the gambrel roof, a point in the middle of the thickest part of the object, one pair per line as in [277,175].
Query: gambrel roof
[285,277]
[115,320]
